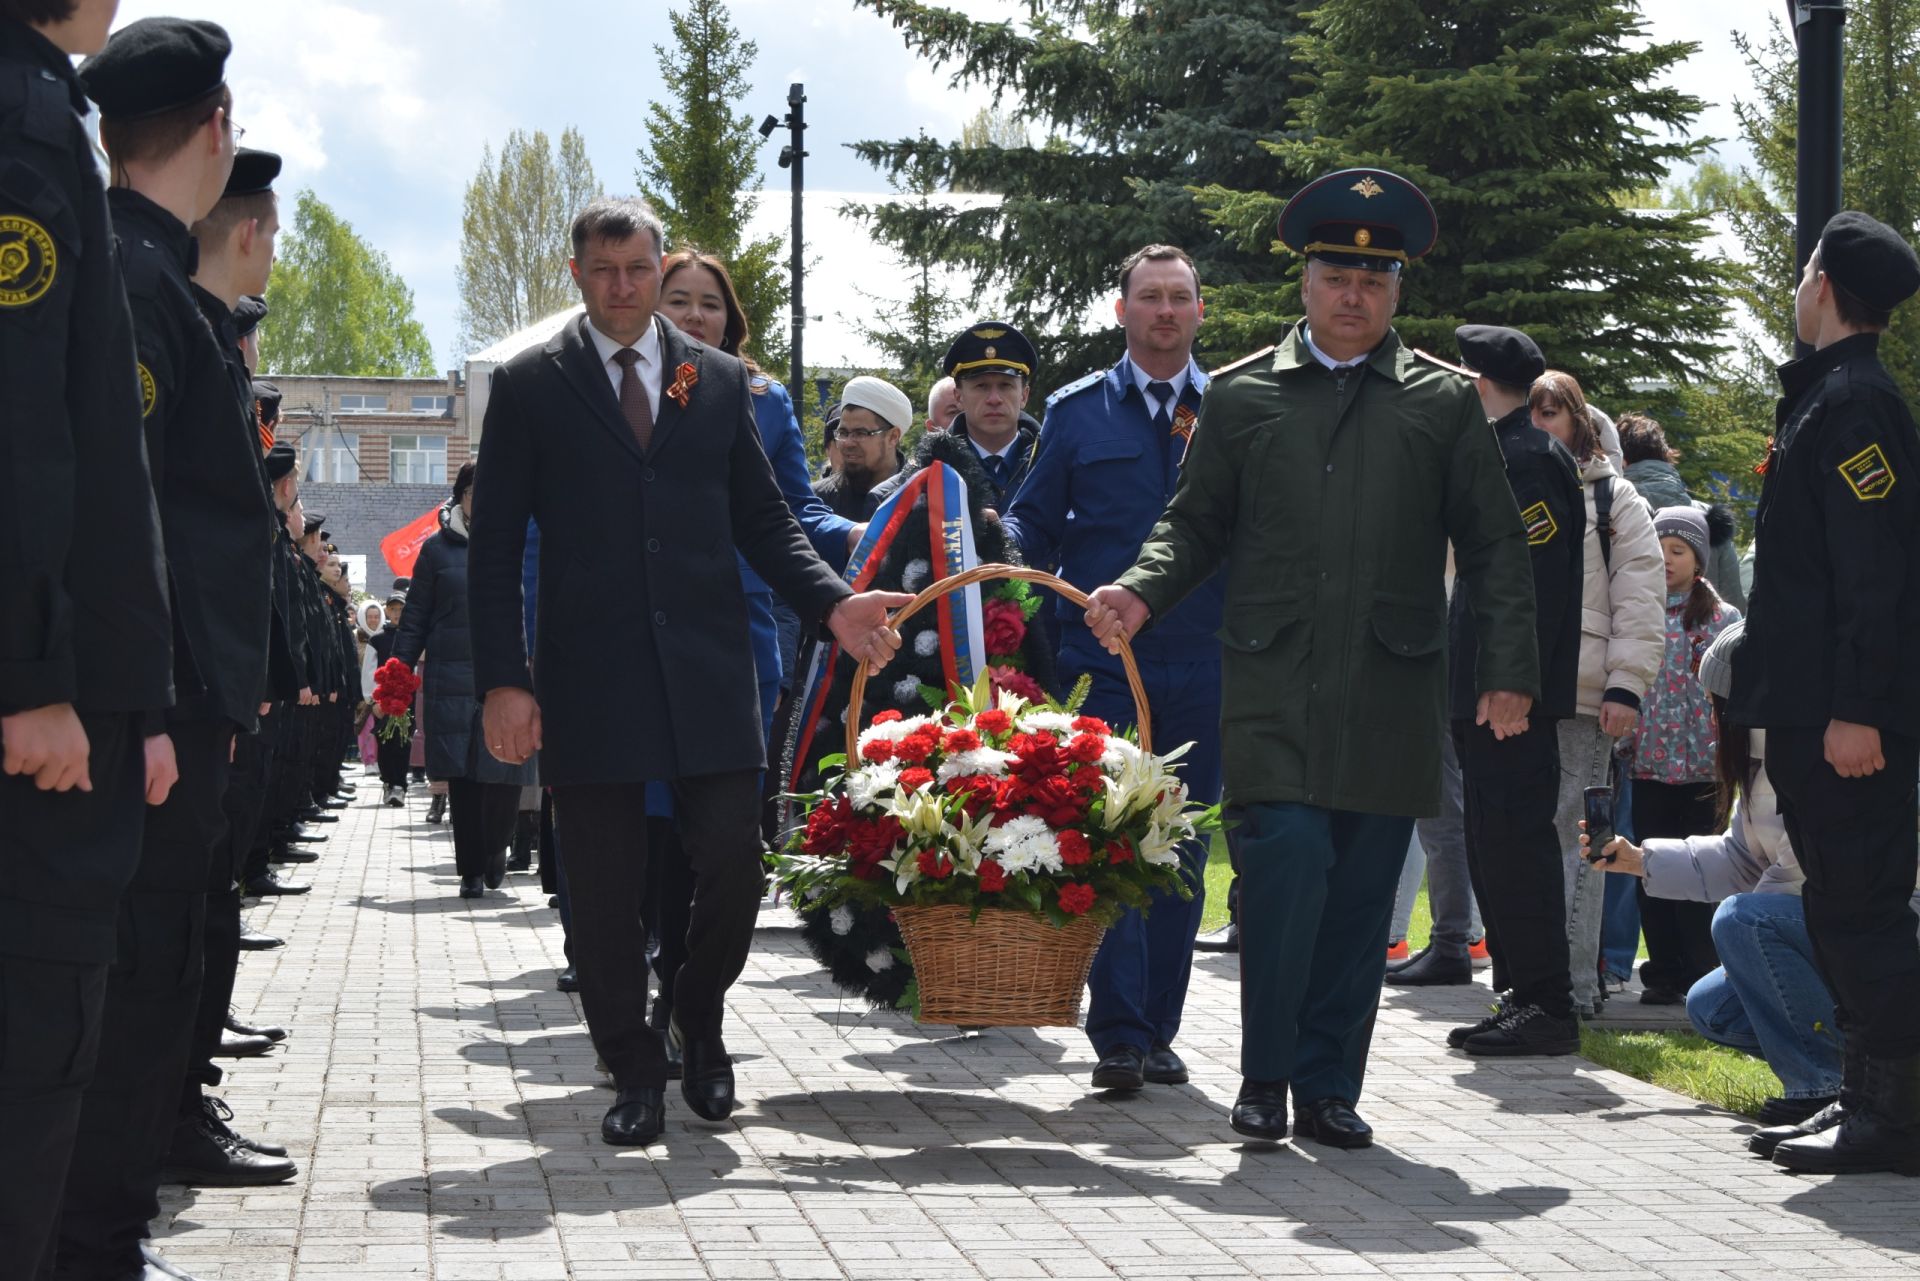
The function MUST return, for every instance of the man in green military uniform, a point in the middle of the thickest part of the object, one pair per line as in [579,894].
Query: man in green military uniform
[1328,474]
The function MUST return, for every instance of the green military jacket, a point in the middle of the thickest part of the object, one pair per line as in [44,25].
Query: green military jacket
[1331,497]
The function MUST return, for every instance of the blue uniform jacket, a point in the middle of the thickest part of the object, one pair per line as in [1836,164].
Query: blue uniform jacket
[1102,476]
[780,437]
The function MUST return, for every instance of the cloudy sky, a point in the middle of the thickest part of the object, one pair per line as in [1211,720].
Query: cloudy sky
[383,107]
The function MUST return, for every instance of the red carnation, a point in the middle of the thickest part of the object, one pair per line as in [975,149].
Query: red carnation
[912,780]
[993,721]
[1074,849]
[934,864]
[960,740]
[1120,851]
[916,747]
[1086,749]
[993,877]
[1019,683]
[882,718]
[879,751]
[1005,626]
[1076,899]
[1091,725]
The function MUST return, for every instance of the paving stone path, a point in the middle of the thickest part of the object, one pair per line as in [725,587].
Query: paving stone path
[441,1098]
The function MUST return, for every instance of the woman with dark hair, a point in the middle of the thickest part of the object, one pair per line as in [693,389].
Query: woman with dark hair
[483,792]
[1650,469]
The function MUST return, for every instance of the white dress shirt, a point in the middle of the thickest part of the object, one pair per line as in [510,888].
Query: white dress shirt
[1329,361]
[647,367]
[1141,378]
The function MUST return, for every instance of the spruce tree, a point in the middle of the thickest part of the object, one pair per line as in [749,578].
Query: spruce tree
[700,166]
[915,333]
[1519,119]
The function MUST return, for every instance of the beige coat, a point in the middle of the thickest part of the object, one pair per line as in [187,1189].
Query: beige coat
[1623,633]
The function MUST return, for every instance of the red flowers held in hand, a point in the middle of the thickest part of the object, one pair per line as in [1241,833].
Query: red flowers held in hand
[394,686]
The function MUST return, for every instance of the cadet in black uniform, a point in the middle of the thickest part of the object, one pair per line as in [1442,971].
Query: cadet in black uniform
[1512,786]
[1828,671]
[165,125]
[85,657]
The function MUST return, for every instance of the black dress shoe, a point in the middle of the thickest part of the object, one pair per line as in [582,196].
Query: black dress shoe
[201,1156]
[334,803]
[1793,1111]
[470,887]
[1430,969]
[1224,939]
[268,884]
[496,869]
[1879,1130]
[1123,1068]
[298,837]
[255,941]
[1526,1031]
[1662,996]
[243,1047]
[1332,1122]
[288,854]
[235,1026]
[219,1117]
[1164,1067]
[320,817]
[706,1077]
[1261,1110]
[636,1118]
[567,980]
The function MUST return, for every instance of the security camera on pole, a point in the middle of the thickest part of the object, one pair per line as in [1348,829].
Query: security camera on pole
[793,156]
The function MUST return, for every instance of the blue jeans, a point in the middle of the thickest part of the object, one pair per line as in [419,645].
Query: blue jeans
[1767,998]
[1620,902]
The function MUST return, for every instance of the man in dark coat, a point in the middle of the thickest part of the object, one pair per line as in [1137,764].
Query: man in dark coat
[1828,671]
[85,660]
[637,452]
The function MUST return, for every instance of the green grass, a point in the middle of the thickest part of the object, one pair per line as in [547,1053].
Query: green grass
[1679,1061]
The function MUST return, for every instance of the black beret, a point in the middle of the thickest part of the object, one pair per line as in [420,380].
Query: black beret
[247,315]
[253,172]
[154,65]
[1869,260]
[316,524]
[1504,355]
[990,347]
[397,598]
[280,461]
[267,397]
[403,583]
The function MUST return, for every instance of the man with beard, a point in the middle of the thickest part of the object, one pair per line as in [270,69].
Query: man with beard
[873,413]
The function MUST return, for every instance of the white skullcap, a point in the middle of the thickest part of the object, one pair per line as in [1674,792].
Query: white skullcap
[880,398]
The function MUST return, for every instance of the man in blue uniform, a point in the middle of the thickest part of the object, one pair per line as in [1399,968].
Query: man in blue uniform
[1108,463]
[992,366]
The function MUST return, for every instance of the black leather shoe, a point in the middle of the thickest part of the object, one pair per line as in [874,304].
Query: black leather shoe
[1430,969]
[243,1047]
[436,809]
[1164,1067]
[1526,1031]
[1880,1133]
[219,1117]
[470,887]
[1224,939]
[320,817]
[1853,1079]
[271,1032]
[706,1077]
[636,1118]
[288,854]
[1261,1111]
[255,941]
[200,1156]
[268,884]
[1784,1111]
[1332,1122]
[155,1268]
[567,980]
[496,869]
[298,837]
[1457,1037]
[1122,1068]
[334,803]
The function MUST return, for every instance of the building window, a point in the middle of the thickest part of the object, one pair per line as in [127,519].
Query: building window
[418,460]
[362,403]
[335,460]
[436,405]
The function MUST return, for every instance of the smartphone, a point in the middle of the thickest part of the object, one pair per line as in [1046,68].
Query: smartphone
[1599,816]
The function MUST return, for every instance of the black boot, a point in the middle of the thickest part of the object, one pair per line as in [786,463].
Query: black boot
[271,1032]
[437,808]
[521,859]
[204,1156]
[1853,1079]
[1881,1135]
[219,1117]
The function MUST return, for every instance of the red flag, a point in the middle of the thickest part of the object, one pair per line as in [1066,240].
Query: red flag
[402,546]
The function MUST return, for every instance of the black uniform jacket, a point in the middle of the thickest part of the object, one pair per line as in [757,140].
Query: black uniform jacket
[214,510]
[1834,614]
[83,604]
[1546,486]
[643,665]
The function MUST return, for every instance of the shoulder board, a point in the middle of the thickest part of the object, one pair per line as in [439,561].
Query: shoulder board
[1432,359]
[1077,386]
[1243,361]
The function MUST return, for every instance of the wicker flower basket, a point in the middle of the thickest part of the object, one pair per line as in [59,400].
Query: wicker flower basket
[1008,968]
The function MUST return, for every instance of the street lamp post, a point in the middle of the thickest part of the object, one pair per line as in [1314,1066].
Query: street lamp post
[1817,26]
[793,157]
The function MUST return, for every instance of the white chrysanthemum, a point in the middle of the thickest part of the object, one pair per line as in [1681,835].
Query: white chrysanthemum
[1023,844]
[927,643]
[915,575]
[1119,754]
[1043,718]
[894,731]
[984,760]
[879,959]
[865,787]
[841,919]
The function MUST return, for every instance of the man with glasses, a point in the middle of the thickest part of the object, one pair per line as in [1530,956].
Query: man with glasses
[165,114]
[866,438]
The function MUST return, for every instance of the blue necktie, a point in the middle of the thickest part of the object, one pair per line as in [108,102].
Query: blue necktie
[1163,394]
[996,470]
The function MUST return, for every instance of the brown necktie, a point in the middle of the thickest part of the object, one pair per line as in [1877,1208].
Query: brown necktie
[633,397]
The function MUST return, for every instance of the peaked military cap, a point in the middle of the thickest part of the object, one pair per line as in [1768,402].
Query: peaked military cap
[1360,218]
[1504,355]
[247,315]
[990,347]
[253,172]
[1869,260]
[280,461]
[155,65]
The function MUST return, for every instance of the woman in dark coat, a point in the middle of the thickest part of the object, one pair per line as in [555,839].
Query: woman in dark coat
[484,793]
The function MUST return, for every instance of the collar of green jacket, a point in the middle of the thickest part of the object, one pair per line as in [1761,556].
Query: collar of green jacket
[1389,359]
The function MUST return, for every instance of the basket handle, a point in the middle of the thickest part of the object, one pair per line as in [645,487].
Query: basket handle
[980,574]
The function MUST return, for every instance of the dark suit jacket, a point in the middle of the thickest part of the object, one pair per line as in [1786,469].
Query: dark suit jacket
[642,665]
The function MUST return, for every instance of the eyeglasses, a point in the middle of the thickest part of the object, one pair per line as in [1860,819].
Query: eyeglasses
[863,433]
[239,132]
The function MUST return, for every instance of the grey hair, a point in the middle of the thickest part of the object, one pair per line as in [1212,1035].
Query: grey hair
[617,218]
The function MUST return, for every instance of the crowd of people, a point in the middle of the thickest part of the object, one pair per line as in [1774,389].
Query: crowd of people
[1418,621]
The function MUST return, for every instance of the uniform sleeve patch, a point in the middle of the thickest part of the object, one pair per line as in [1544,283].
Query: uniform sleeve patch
[1868,474]
[1541,526]
[148,391]
[28,261]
